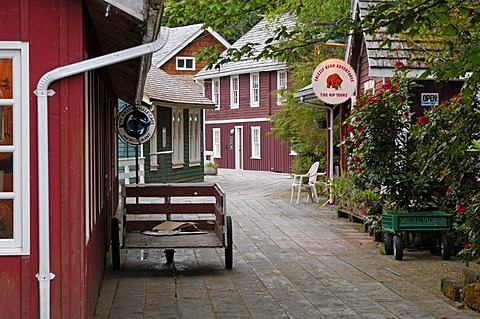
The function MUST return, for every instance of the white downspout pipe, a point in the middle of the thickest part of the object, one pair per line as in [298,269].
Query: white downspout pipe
[44,275]
[330,135]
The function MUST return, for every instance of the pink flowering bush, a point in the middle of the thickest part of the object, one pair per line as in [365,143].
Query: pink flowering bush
[430,160]
[444,154]
[378,144]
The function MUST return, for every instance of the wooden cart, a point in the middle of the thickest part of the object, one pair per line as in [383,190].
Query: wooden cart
[145,206]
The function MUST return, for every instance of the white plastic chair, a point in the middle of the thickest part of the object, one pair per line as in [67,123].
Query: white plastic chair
[307,181]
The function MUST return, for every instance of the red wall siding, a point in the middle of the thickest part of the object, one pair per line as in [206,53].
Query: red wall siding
[268,100]
[275,154]
[16,284]
[54,32]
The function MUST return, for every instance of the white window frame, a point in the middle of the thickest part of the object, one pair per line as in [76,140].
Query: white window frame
[20,243]
[194,138]
[89,209]
[234,91]
[256,137]
[216,145]
[153,144]
[216,92]
[185,59]
[254,89]
[369,86]
[282,78]
[177,138]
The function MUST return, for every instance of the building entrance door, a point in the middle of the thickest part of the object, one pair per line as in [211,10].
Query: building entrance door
[238,147]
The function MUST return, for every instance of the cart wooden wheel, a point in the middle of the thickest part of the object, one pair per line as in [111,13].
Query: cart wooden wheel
[169,254]
[388,241]
[398,247]
[229,246]
[115,229]
[445,247]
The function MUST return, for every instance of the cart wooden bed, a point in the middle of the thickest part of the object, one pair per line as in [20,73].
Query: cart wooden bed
[143,206]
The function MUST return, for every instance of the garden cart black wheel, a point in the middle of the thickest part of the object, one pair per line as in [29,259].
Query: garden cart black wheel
[388,241]
[398,247]
[169,254]
[229,246]
[445,247]
[115,232]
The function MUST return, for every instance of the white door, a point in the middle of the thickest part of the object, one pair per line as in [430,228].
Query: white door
[238,147]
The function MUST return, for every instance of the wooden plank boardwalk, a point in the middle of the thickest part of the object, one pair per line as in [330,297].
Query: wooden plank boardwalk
[290,261]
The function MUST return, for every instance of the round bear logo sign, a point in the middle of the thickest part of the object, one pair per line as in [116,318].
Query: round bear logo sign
[135,125]
[334,81]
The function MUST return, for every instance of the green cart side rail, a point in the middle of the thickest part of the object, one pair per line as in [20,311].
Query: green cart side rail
[417,221]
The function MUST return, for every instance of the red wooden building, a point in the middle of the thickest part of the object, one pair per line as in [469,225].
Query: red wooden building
[237,130]
[63,65]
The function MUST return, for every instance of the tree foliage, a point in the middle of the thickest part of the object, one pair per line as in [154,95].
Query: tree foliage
[299,46]
[230,19]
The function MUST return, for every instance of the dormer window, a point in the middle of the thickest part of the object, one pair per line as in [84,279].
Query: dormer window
[185,63]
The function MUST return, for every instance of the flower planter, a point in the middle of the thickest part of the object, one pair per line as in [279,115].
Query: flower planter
[209,170]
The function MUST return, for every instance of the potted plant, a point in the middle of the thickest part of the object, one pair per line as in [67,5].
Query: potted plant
[373,225]
[211,168]
[368,200]
[342,189]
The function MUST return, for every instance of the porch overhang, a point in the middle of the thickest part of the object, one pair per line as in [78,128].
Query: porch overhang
[139,22]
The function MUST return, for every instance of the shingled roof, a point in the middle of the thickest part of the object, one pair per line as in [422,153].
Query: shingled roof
[258,34]
[382,59]
[162,87]
[177,89]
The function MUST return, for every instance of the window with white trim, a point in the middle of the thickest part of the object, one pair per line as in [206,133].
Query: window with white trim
[14,149]
[216,93]
[177,138]
[369,87]
[185,63]
[234,91]
[194,136]
[281,85]
[216,143]
[255,142]
[254,90]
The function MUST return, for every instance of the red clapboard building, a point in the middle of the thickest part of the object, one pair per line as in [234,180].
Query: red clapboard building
[63,66]
[237,130]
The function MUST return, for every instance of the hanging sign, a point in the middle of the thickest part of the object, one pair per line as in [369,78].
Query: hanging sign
[135,125]
[429,99]
[334,81]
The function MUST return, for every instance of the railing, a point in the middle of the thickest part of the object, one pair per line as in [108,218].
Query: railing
[129,170]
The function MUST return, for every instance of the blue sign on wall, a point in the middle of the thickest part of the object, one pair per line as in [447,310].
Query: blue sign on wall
[429,99]
[135,125]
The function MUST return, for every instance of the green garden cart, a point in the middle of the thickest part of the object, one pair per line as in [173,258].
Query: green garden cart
[426,229]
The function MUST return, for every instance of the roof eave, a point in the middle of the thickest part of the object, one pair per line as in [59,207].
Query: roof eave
[166,103]
[240,71]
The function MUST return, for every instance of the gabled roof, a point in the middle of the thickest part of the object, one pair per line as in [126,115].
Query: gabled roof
[163,87]
[411,52]
[179,38]
[258,34]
